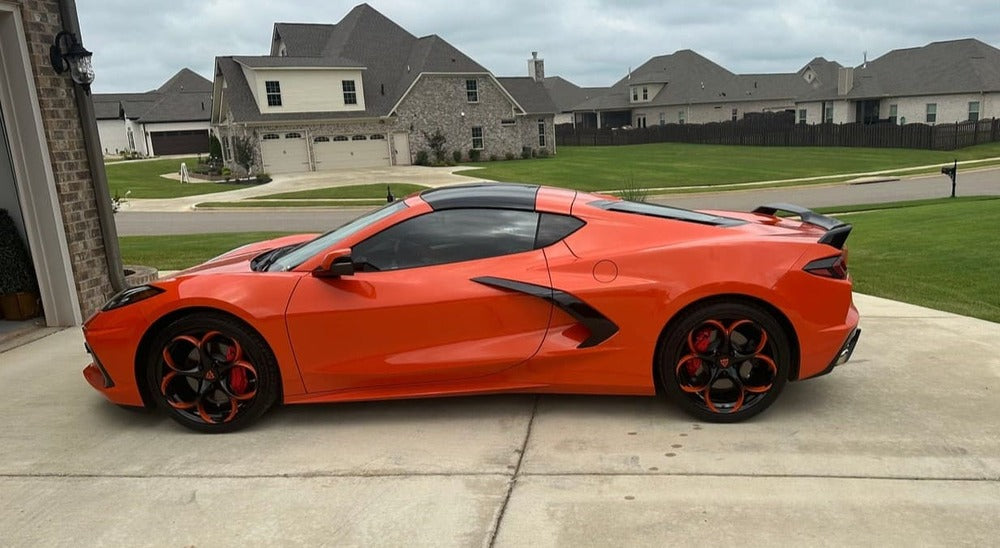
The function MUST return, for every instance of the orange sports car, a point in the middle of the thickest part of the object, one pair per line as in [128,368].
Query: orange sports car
[490,288]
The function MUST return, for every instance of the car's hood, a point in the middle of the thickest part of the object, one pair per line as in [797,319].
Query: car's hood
[238,260]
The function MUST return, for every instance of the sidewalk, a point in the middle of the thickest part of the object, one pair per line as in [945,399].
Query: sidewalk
[900,446]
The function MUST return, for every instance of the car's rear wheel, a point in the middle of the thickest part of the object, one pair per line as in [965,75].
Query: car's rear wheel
[211,373]
[724,362]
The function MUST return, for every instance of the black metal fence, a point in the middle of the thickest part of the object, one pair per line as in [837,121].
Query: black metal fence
[782,131]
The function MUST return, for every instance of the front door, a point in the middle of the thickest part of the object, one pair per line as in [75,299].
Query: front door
[401,147]
[412,313]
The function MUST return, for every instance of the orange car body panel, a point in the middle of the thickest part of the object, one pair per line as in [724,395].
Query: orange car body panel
[432,331]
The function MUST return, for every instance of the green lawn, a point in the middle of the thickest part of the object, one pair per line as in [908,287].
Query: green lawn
[144,179]
[677,164]
[179,252]
[287,203]
[375,190]
[942,255]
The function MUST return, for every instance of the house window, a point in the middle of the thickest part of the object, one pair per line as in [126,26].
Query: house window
[472,91]
[635,94]
[645,93]
[893,113]
[681,116]
[827,113]
[974,111]
[131,139]
[931,113]
[271,136]
[663,118]
[350,92]
[507,121]
[802,115]
[477,138]
[640,121]
[736,114]
[273,89]
[541,133]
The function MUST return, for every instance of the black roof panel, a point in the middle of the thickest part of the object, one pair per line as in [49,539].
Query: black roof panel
[496,195]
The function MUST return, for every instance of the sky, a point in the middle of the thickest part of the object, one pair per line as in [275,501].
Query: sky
[138,45]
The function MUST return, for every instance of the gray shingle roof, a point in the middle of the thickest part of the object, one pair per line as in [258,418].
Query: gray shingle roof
[185,97]
[530,94]
[266,61]
[566,94]
[392,57]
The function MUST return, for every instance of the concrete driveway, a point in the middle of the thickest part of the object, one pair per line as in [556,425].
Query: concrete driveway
[901,447]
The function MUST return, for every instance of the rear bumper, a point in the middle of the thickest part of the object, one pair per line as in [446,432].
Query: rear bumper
[846,350]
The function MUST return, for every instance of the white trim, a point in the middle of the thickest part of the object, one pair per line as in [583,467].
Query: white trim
[33,168]
[292,67]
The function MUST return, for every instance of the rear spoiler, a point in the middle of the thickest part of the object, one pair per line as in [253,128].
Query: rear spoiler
[836,231]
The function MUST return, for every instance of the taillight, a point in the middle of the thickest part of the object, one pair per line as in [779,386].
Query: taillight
[829,267]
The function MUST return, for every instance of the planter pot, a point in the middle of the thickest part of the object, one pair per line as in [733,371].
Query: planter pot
[19,306]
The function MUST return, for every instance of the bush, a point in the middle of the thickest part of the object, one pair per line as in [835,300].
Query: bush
[508,156]
[436,141]
[543,153]
[493,157]
[16,272]
[474,155]
[264,177]
[422,158]
[526,153]
[457,156]
[214,148]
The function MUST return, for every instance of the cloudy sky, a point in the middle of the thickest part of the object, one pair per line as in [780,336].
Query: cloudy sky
[139,44]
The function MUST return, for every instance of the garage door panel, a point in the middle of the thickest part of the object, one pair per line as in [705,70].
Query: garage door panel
[334,153]
[284,154]
[179,142]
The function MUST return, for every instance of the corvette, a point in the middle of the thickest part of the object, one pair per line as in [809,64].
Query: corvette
[490,288]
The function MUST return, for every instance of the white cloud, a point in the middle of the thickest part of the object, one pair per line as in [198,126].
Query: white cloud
[138,45]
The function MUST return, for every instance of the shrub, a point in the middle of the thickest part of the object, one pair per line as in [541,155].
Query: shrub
[543,153]
[422,158]
[526,153]
[457,156]
[508,156]
[474,155]
[264,177]
[243,152]
[493,157]
[214,148]
[436,142]
[16,272]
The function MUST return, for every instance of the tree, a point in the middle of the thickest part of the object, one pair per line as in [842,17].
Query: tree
[243,151]
[436,142]
[214,149]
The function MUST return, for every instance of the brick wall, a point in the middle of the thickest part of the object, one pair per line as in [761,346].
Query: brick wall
[63,131]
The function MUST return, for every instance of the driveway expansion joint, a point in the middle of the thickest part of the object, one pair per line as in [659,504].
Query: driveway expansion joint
[513,478]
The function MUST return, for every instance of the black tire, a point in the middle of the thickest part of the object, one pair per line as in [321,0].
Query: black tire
[214,386]
[716,366]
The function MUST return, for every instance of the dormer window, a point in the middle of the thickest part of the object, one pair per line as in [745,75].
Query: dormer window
[350,92]
[472,91]
[273,89]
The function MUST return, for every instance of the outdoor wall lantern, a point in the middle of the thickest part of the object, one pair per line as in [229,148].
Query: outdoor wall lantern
[66,53]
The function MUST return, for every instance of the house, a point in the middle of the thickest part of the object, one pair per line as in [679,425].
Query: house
[365,92]
[941,82]
[949,81]
[172,119]
[51,170]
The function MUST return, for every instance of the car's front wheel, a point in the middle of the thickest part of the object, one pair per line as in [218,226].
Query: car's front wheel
[724,362]
[211,373]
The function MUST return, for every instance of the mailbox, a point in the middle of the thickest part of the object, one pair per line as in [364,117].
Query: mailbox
[951,171]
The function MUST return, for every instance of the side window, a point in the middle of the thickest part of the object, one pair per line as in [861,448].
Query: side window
[448,236]
[553,227]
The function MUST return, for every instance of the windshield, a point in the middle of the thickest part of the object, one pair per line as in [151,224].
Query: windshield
[300,254]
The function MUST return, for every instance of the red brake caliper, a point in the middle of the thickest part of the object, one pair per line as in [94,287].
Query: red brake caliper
[702,338]
[237,375]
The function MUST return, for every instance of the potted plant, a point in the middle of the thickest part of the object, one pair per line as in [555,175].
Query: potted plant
[18,287]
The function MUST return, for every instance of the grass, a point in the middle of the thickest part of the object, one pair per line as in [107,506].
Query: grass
[374,191]
[144,179]
[179,252]
[678,164]
[285,203]
[940,254]
[935,253]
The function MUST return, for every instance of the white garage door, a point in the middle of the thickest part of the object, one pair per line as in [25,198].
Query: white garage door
[284,152]
[344,151]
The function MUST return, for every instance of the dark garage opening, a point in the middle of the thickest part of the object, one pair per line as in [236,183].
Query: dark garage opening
[179,142]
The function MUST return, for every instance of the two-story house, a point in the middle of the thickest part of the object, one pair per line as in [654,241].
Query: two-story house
[365,92]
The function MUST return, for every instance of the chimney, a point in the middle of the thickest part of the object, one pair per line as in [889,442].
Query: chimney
[536,67]
[845,80]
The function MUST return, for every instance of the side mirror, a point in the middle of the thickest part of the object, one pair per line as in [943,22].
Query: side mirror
[335,264]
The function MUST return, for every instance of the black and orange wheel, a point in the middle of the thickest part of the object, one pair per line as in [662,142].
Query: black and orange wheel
[211,373]
[724,362]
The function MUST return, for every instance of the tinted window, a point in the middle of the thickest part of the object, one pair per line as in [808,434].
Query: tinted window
[448,236]
[552,228]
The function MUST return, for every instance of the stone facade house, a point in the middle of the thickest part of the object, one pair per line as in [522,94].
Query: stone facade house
[365,93]
[949,81]
[172,119]
[51,174]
